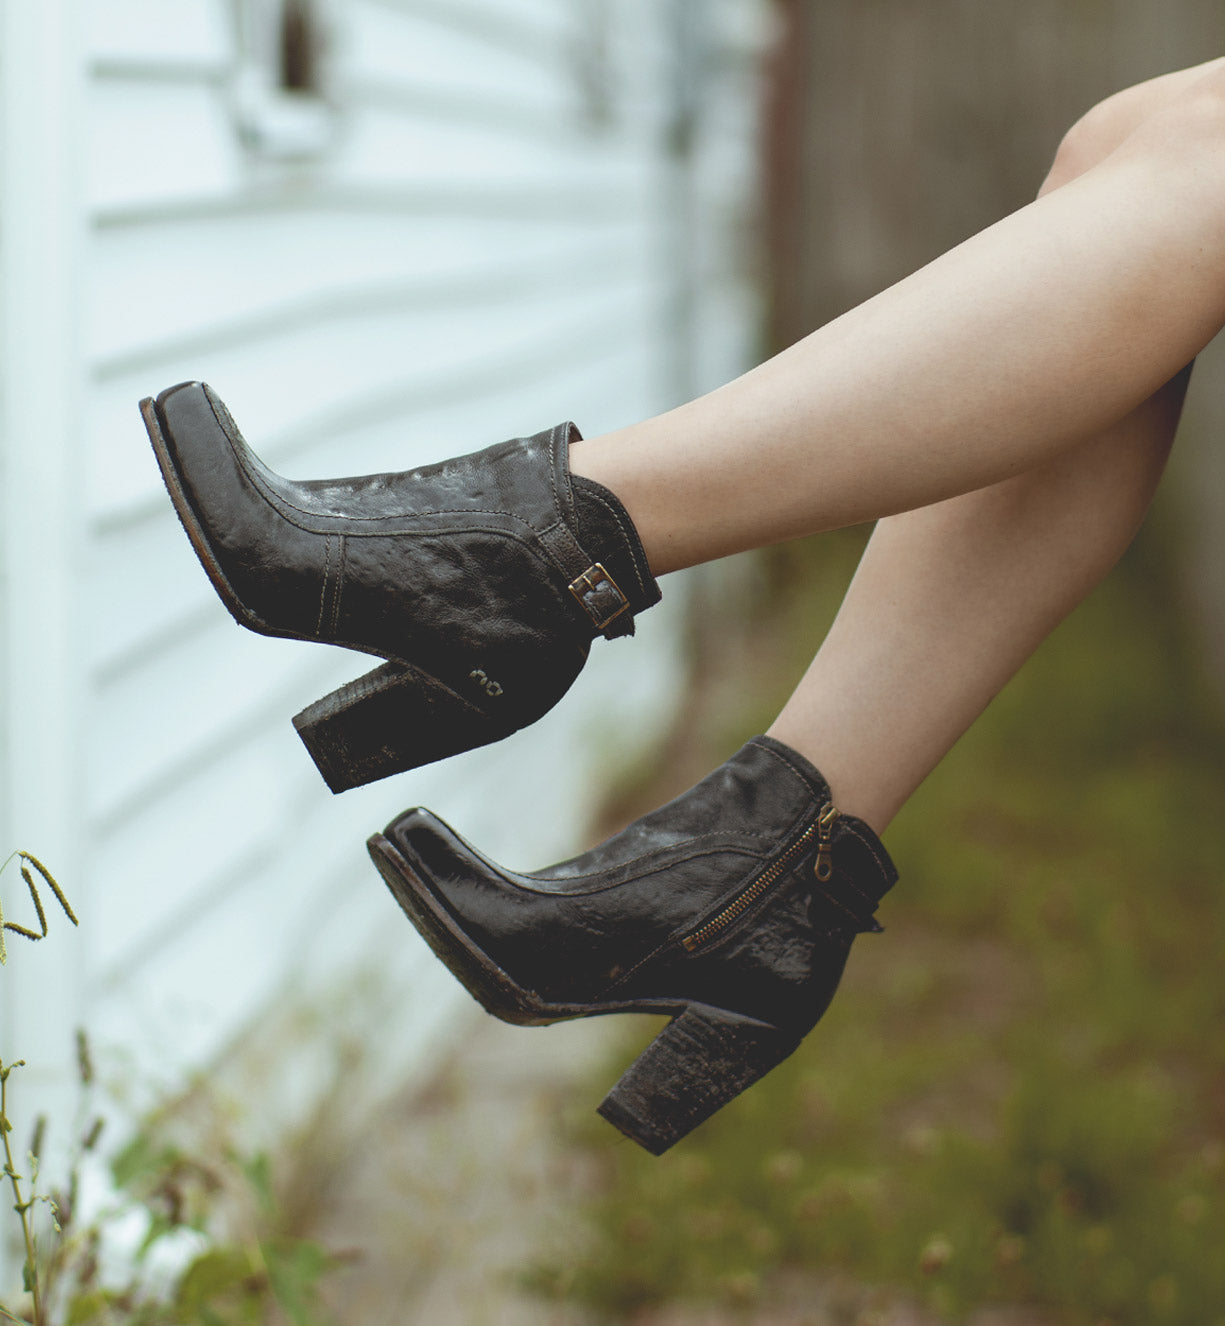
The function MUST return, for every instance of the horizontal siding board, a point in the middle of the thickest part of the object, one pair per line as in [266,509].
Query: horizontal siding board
[185,30]
[530,36]
[213,275]
[150,143]
[190,854]
[384,149]
[322,383]
[482,253]
[194,1002]
[241,314]
[189,861]
[141,587]
[139,69]
[419,109]
[484,793]
[136,641]
[202,981]
[383,175]
[152,739]
[543,200]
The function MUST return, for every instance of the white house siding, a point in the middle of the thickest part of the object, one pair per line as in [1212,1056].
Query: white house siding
[500,238]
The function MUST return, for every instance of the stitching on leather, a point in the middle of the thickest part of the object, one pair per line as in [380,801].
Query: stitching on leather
[529,541]
[277,501]
[558,600]
[431,682]
[637,967]
[612,511]
[554,449]
[340,582]
[323,588]
[556,444]
[885,865]
[827,896]
[848,826]
[787,764]
[415,676]
[734,928]
[855,893]
[712,845]
[547,533]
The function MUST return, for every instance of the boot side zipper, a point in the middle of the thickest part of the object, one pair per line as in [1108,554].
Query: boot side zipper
[821,830]
[824,867]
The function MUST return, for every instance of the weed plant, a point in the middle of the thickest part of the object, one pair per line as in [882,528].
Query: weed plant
[25,1202]
[1016,1098]
[191,1232]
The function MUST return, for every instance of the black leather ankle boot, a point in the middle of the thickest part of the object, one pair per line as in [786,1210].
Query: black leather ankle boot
[483,580]
[732,908]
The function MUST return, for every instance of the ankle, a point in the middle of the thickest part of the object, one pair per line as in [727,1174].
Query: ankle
[602,462]
[854,789]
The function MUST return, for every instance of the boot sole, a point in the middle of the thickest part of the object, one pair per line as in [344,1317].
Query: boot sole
[495,990]
[195,531]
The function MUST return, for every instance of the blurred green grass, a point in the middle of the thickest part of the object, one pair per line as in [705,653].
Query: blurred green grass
[1017,1097]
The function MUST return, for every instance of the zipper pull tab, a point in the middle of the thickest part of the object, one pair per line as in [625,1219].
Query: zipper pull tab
[824,867]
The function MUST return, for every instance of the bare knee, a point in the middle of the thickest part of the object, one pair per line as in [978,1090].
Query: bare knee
[1091,139]
[1097,133]
[1192,94]
[1189,131]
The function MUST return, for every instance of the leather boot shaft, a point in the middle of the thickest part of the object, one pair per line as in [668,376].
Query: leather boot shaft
[482,579]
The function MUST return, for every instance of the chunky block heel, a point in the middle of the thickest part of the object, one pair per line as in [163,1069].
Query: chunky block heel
[389,720]
[702,1059]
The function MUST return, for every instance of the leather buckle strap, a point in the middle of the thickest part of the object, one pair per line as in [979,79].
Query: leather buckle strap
[599,595]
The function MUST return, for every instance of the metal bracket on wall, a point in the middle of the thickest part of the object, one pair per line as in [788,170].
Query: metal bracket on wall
[282,95]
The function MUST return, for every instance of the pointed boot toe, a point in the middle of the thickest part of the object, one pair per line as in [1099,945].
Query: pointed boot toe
[482,581]
[732,910]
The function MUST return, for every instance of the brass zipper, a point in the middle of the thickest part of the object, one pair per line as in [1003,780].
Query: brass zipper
[824,867]
[822,830]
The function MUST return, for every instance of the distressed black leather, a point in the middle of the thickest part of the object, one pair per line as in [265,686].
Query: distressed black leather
[605,931]
[460,570]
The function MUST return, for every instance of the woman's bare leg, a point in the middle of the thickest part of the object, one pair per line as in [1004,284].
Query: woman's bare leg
[1001,356]
[949,600]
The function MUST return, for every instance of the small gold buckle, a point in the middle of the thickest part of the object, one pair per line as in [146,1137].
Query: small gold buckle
[588,583]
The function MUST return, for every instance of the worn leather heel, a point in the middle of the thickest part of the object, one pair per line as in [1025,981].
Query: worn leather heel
[389,720]
[702,1059]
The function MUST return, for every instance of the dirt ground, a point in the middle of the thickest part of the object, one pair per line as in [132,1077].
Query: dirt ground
[459,1187]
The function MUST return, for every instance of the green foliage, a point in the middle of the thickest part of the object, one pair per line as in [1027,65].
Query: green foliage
[179,1180]
[249,1272]
[11,926]
[24,1206]
[1016,1097]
